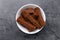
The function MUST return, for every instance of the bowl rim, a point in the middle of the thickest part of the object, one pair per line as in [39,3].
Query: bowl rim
[25,6]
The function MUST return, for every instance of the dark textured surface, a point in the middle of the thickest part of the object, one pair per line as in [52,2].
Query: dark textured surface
[8,27]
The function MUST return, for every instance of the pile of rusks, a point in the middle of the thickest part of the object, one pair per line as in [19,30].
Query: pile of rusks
[31,19]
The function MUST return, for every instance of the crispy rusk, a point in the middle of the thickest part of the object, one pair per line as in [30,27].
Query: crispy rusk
[27,25]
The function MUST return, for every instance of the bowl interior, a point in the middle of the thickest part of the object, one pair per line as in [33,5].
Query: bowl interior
[23,28]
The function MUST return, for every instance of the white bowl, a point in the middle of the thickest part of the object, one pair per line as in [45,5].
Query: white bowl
[18,14]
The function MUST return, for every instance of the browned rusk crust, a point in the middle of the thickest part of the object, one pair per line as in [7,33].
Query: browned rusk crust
[26,14]
[29,26]
[38,13]
[31,11]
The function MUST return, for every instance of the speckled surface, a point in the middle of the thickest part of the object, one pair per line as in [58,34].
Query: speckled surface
[8,27]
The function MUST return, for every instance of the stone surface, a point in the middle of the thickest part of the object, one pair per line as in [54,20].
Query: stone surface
[8,27]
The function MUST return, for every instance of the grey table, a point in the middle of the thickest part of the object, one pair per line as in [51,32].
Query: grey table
[8,27]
